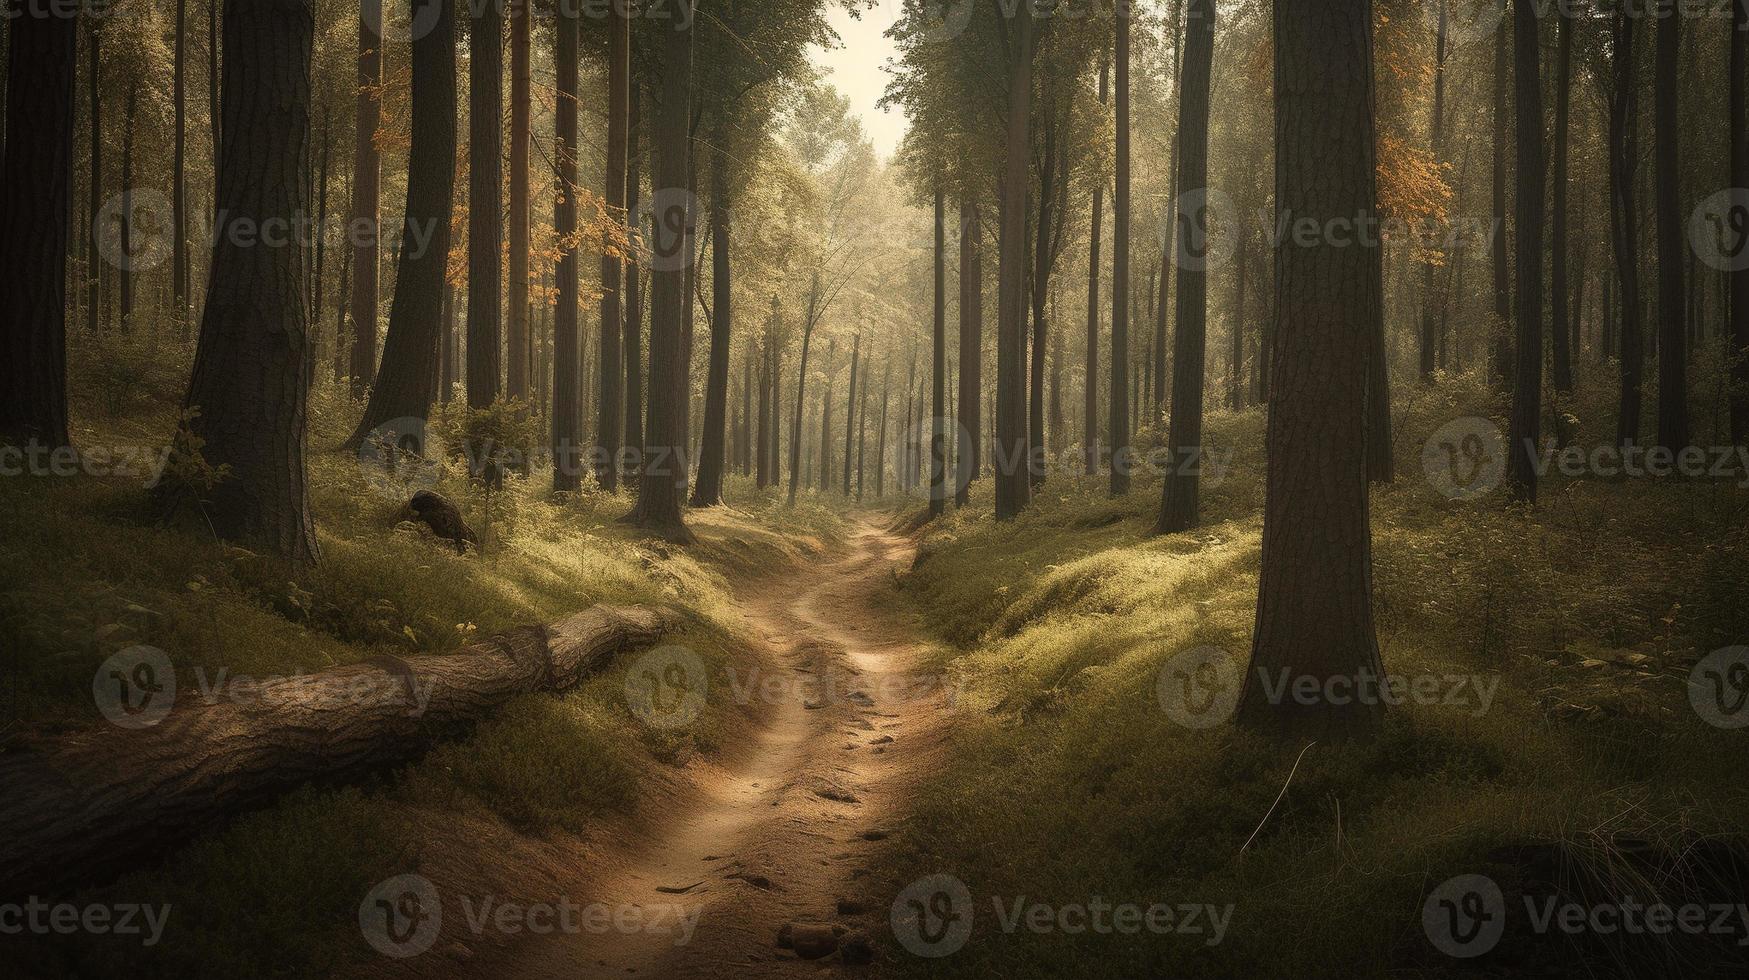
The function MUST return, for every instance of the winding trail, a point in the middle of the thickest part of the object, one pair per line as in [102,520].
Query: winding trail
[783,829]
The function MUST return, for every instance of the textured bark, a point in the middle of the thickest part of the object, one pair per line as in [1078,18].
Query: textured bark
[1562,365]
[708,490]
[861,430]
[1500,351]
[1178,504]
[971,354]
[1739,279]
[251,375]
[795,435]
[366,197]
[1433,303]
[1013,489]
[1673,429]
[1040,282]
[124,273]
[1525,430]
[850,410]
[1119,425]
[631,350]
[1624,157]
[406,384]
[938,373]
[567,415]
[610,406]
[1090,396]
[86,806]
[485,202]
[178,190]
[94,184]
[1314,604]
[662,482]
[1236,379]
[36,199]
[519,350]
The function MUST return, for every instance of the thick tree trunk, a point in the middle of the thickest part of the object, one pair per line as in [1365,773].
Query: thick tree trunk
[1119,424]
[1041,280]
[1090,394]
[366,196]
[1562,365]
[1739,278]
[1013,488]
[567,415]
[971,352]
[1500,351]
[86,806]
[1178,506]
[1525,431]
[1314,604]
[36,200]
[178,188]
[94,100]
[1673,431]
[662,482]
[407,381]
[610,405]
[252,368]
[485,202]
[1624,157]
[518,355]
[708,491]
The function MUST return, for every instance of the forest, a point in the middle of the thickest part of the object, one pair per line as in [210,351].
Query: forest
[986,488]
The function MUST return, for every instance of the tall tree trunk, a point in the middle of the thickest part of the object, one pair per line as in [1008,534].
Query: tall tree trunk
[1673,433]
[214,115]
[1432,304]
[567,416]
[1624,157]
[446,344]
[1236,383]
[744,454]
[406,383]
[662,485]
[94,92]
[861,430]
[631,351]
[1041,281]
[850,411]
[1090,396]
[826,432]
[610,406]
[708,491]
[938,376]
[178,192]
[971,352]
[366,196]
[125,268]
[485,202]
[1739,277]
[1562,365]
[251,375]
[316,281]
[1526,424]
[1120,268]
[342,297]
[1500,351]
[1314,602]
[1013,489]
[1178,504]
[795,433]
[36,199]
[1169,246]
[516,382]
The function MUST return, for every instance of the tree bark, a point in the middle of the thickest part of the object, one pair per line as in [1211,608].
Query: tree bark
[1120,268]
[1562,364]
[1526,424]
[1178,505]
[178,191]
[485,202]
[631,350]
[94,98]
[938,375]
[567,415]
[1500,350]
[708,491]
[366,197]
[610,406]
[251,375]
[517,340]
[1673,430]
[36,200]
[1433,303]
[86,806]
[850,411]
[1624,157]
[1739,278]
[971,352]
[1314,603]
[1013,488]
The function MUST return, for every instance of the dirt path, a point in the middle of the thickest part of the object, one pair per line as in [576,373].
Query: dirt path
[785,831]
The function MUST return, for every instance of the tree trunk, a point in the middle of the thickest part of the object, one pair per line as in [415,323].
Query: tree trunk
[632,347]
[251,374]
[1562,365]
[861,431]
[94,92]
[795,436]
[1013,489]
[1178,504]
[1526,424]
[1314,603]
[366,196]
[1432,304]
[1624,157]
[125,268]
[178,192]
[1120,268]
[567,416]
[1041,279]
[214,115]
[708,491]
[850,411]
[662,483]
[1739,277]
[971,352]
[86,806]
[881,434]
[316,281]
[485,202]
[36,200]
[1500,356]
[1673,433]
[407,380]
[516,383]
[610,406]
[1236,382]
[938,375]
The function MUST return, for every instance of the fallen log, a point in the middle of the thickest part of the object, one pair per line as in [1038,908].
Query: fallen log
[77,809]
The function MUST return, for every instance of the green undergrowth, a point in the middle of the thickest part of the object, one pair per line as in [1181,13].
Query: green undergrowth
[86,572]
[1070,784]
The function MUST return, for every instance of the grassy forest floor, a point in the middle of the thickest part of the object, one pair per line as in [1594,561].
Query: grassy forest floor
[1064,781]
